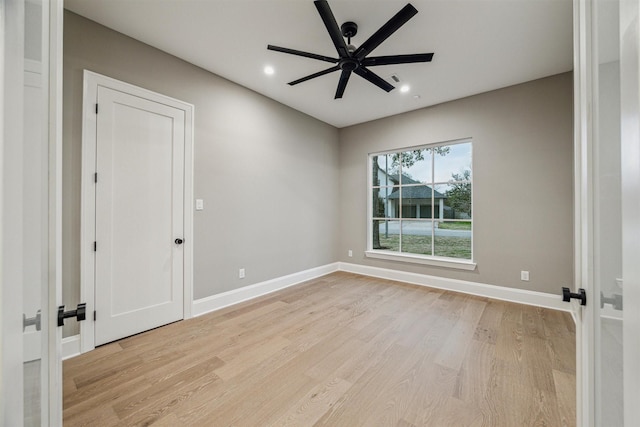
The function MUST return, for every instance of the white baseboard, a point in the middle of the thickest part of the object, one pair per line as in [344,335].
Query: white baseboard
[521,296]
[225,299]
[70,347]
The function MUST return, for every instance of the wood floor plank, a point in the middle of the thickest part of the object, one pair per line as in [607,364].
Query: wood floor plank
[426,404]
[249,315]
[474,375]
[537,363]
[308,410]
[489,323]
[370,391]
[161,404]
[92,359]
[115,378]
[258,353]
[158,389]
[340,350]
[565,385]
[454,349]
[95,403]
[457,413]
[103,417]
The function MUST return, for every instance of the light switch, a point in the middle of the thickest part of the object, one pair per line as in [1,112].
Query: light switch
[199,204]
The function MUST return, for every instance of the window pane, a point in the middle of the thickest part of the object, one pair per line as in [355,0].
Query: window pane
[384,173]
[456,201]
[421,201]
[416,166]
[416,237]
[386,235]
[453,162]
[453,239]
[416,201]
[385,202]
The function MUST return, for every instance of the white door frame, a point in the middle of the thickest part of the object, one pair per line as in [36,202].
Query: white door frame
[88,215]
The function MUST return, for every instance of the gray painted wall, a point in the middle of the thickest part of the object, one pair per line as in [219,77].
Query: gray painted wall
[522,180]
[267,173]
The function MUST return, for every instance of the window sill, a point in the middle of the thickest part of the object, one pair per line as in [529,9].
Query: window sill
[418,259]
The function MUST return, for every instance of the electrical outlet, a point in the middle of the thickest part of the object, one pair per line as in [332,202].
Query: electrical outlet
[350,253]
[241,273]
[524,276]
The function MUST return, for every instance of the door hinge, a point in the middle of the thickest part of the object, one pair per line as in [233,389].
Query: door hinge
[95,177]
[96,108]
[94,315]
[95,246]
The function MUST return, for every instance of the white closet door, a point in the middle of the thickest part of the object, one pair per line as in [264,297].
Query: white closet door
[139,215]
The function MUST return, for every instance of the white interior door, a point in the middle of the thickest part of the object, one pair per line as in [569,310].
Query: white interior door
[608,166]
[139,259]
[629,31]
[31,348]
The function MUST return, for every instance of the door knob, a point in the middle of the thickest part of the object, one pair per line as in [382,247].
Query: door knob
[79,313]
[32,321]
[615,301]
[581,295]
[179,241]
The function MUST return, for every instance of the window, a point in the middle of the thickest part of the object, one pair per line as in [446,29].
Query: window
[420,204]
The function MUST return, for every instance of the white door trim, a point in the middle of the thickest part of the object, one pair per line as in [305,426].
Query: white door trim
[88,215]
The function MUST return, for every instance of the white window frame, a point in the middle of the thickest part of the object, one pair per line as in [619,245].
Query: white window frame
[439,261]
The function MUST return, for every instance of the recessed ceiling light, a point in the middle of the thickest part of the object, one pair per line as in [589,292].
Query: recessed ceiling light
[268,70]
[404,88]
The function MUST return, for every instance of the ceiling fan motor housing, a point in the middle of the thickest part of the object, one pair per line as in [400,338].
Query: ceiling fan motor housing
[349,29]
[348,64]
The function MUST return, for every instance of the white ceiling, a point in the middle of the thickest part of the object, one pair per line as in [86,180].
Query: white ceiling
[479,45]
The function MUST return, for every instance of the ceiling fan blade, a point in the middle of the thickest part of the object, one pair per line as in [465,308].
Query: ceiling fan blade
[374,78]
[342,84]
[332,27]
[392,25]
[314,75]
[301,53]
[372,61]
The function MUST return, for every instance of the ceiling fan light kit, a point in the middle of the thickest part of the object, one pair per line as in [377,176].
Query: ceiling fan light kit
[354,60]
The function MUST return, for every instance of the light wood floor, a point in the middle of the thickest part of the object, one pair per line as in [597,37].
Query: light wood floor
[342,350]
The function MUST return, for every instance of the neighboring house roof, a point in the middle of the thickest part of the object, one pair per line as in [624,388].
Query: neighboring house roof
[417,192]
[406,179]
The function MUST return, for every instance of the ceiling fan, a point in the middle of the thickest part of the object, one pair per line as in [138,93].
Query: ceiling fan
[354,60]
